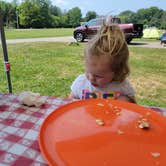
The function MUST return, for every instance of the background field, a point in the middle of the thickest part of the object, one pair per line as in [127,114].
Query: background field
[54,32]
[37,33]
[50,68]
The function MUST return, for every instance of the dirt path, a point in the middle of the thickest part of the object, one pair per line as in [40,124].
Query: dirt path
[147,44]
[50,39]
[71,39]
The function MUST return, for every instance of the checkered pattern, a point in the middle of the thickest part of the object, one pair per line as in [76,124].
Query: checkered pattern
[19,130]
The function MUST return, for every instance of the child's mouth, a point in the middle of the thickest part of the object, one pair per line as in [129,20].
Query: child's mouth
[94,84]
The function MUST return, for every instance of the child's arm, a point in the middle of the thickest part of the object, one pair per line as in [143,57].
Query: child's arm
[76,87]
[130,99]
[71,96]
[128,93]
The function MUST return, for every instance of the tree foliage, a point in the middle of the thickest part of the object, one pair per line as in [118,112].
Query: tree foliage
[35,14]
[42,14]
[152,17]
[126,16]
[55,11]
[8,12]
[74,17]
[90,15]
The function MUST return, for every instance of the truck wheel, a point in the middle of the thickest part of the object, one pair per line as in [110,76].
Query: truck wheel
[128,40]
[79,37]
[163,44]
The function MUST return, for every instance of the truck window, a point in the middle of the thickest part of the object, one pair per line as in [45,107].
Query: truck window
[95,22]
[91,23]
[116,20]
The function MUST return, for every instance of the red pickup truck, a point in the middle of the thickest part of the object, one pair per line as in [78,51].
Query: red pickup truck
[90,28]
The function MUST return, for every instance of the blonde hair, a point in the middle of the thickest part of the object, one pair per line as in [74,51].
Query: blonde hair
[110,41]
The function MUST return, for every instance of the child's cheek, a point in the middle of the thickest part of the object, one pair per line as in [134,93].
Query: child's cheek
[100,82]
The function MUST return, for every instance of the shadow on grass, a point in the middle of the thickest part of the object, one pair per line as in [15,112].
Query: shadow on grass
[133,43]
[138,43]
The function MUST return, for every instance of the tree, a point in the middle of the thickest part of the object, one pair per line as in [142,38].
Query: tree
[152,16]
[35,14]
[163,20]
[55,21]
[56,11]
[2,8]
[149,16]
[74,17]
[64,20]
[90,15]
[41,13]
[15,2]
[126,16]
[8,12]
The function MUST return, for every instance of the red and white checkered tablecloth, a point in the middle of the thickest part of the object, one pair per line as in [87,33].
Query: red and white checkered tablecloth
[19,129]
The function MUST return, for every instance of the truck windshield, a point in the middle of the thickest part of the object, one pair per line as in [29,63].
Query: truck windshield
[95,22]
[116,20]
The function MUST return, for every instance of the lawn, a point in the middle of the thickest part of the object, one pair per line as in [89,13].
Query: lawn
[37,33]
[54,32]
[50,68]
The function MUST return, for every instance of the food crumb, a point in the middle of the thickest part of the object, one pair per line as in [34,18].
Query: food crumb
[155,154]
[100,122]
[148,113]
[100,104]
[118,113]
[143,124]
[120,132]
[115,107]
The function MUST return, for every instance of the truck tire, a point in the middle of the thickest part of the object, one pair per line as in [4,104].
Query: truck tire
[128,40]
[79,37]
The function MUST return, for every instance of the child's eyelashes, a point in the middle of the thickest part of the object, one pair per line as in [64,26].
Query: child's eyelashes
[90,75]
[98,76]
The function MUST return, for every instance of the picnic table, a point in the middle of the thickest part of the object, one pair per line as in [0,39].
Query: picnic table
[19,129]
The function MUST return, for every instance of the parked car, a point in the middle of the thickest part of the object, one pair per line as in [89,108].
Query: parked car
[90,28]
[163,38]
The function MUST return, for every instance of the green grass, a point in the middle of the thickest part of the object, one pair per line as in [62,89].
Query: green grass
[145,40]
[54,32]
[148,75]
[47,68]
[50,68]
[37,33]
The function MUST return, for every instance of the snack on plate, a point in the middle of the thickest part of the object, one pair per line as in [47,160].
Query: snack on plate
[100,122]
[100,104]
[144,124]
[155,154]
[31,99]
[120,132]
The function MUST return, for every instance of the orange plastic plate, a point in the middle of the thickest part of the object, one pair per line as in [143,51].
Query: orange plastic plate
[101,132]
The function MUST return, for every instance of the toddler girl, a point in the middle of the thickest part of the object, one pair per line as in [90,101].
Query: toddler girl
[106,66]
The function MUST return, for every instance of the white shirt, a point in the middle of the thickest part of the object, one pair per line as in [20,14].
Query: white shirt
[83,89]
